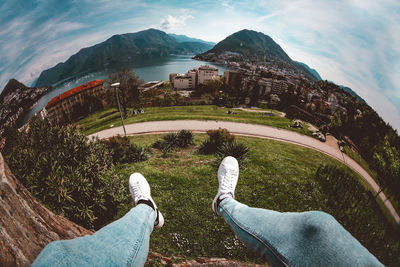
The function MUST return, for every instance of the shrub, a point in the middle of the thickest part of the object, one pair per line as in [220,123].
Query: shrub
[125,152]
[216,138]
[70,174]
[207,147]
[220,136]
[185,138]
[234,149]
[158,144]
[170,141]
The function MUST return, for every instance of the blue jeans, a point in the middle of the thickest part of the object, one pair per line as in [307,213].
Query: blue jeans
[124,242]
[311,238]
[296,239]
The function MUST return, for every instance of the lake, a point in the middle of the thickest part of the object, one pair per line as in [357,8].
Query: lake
[152,69]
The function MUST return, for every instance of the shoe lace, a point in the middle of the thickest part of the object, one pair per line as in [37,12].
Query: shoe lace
[227,184]
[137,190]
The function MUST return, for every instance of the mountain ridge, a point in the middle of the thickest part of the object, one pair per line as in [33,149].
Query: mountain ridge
[180,38]
[251,46]
[117,49]
[313,71]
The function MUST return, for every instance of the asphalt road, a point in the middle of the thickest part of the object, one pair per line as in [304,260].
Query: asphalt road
[253,130]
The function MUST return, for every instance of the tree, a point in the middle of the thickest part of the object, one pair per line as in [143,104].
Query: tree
[386,160]
[128,89]
[274,100]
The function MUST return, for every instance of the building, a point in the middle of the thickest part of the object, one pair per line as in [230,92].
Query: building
[193,77]
[333,103]
[206,73]
[233,79]
[183,81]
[60,108]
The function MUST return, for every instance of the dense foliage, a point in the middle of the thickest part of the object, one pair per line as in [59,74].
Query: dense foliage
[216,138]
[68,173]
[125,152]
[386,161]
[234,149]
[352,205]
[222,143]
[170,141]
[128,90]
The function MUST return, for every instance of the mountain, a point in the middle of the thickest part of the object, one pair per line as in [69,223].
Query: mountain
[12,86]
[193,47]
[184,38]
[117,50]
[313,71]
[350,91]
[255,47]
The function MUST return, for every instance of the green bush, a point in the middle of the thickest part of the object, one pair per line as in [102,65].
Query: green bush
[170,141]
[216,138]
[207,147]
[185,138]
[234,149]
[125,152]
[70,174]
[352,205]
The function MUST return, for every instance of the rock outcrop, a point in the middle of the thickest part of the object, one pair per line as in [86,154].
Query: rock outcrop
[26,226]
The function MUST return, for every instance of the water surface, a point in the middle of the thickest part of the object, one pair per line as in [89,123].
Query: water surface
[150,69]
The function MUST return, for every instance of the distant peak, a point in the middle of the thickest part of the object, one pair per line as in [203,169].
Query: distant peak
[12,84]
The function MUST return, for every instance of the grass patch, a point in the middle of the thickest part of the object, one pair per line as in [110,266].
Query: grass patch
[277,176]
[103,119]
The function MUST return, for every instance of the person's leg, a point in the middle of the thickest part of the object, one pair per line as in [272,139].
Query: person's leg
[296,239]
[124,242]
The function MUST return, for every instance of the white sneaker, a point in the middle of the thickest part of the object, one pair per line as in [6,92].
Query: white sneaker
[228,174]
[140,190]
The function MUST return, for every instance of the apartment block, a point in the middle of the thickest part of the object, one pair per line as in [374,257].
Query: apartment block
[60,108]
[193,77]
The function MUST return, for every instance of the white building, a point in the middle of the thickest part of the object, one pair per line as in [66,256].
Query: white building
[193,77]
[182,81]
[206,73]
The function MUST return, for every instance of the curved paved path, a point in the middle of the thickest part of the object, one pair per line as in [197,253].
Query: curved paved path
[254,130]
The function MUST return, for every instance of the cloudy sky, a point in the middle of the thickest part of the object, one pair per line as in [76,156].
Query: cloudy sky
[354,43]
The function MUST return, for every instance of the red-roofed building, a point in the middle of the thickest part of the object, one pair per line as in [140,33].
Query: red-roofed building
[60,108]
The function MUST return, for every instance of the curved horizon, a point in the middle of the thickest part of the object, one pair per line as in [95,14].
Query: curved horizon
[352,43]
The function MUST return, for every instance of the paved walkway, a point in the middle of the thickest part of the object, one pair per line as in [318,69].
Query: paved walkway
[254,130]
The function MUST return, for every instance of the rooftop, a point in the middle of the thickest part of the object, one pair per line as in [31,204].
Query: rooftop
[74,91]
[206,67]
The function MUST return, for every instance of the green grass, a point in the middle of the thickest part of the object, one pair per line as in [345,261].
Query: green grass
[277,176]
[103,119]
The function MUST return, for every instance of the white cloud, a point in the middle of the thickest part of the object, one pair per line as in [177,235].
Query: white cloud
[351,42]
[171,23]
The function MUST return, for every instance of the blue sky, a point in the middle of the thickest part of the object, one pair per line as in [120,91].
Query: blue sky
[355,43]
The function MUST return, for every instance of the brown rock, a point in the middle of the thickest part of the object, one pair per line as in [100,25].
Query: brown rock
[26,226]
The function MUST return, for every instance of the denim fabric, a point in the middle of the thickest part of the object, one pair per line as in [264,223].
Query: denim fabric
[295,238]
[124,242]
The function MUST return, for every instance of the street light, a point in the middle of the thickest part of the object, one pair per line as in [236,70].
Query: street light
[116,85]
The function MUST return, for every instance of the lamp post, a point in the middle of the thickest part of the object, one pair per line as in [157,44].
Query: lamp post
[116,85]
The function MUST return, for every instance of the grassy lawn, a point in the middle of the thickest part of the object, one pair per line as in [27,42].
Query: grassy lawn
[103,119]
[277,176]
